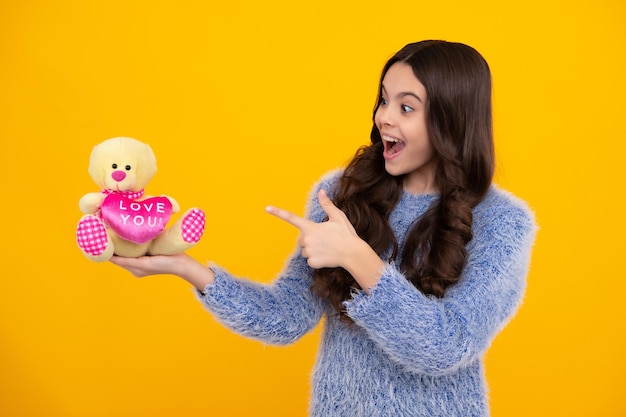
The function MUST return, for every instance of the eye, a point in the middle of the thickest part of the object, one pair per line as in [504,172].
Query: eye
[406,109]
[127,167]
[114,166]
[383,101]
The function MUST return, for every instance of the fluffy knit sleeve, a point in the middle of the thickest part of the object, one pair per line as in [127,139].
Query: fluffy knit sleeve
[435,336]
[277,313]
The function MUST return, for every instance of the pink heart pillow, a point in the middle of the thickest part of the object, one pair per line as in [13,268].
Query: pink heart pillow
[136,221]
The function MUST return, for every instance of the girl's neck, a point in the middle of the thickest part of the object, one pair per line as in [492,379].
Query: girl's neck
[417,184]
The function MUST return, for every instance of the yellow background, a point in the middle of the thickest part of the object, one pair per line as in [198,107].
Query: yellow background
[246,104]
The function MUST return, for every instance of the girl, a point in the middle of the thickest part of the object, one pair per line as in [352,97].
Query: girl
[415,259]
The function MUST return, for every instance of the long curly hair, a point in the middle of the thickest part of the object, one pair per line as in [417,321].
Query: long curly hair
[457,80]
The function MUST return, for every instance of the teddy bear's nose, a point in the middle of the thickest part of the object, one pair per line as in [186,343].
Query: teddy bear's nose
[118,175]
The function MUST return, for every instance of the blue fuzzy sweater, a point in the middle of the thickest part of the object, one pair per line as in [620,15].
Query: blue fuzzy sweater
[409,354]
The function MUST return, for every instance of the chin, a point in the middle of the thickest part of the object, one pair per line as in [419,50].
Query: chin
[393,171]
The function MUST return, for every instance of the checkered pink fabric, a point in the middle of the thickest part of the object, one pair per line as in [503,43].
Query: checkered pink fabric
[131,195]
[91,236]
[193,226]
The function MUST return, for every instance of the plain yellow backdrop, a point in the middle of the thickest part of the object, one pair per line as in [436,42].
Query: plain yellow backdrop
[246,104]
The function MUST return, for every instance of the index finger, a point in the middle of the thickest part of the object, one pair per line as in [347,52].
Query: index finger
[288,216]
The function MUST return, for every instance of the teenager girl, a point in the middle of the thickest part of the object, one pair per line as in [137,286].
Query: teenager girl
[413,256]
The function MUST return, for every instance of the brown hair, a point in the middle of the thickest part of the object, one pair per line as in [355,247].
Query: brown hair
[459,121]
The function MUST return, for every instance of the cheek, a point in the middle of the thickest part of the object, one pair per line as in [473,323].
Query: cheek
[377,118]
[429,150]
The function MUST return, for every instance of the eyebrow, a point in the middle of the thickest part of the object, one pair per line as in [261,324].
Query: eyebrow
[404,94]
[408,93]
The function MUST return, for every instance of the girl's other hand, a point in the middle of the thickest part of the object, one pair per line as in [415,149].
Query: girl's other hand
[181,265]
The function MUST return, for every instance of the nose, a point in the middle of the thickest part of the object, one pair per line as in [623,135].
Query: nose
[383,116]
[118,175]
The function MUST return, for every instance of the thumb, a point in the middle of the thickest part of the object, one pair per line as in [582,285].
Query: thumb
[329,208]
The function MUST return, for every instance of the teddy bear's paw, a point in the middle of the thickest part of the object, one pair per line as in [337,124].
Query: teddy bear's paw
[91,236]
[192,226]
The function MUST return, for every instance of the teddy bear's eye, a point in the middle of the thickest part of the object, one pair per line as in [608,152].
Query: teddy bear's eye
[114,166]
[127,167]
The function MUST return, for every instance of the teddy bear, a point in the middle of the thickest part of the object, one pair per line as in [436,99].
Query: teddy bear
[121,219]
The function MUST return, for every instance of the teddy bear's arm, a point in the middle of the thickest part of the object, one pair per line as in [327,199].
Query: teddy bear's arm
[175,205]
[90,203]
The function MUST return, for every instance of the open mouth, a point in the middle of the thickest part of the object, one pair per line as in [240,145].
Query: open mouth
[392,145]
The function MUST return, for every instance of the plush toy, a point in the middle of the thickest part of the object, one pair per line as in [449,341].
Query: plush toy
[121,219]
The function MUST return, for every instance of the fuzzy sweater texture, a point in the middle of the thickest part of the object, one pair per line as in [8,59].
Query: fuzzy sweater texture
[409,354]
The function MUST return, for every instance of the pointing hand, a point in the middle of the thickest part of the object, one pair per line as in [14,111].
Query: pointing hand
[327,244]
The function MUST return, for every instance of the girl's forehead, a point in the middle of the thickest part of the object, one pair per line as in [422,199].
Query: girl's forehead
[401,78]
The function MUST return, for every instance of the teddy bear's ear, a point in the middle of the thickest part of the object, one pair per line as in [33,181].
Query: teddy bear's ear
[148,162]
[96,168]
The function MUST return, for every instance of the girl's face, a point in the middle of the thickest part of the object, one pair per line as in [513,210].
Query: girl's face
[401,121]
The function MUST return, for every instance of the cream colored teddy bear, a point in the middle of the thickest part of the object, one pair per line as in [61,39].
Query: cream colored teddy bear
[121,219]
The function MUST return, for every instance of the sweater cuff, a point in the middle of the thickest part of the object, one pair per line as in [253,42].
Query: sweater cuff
[360,298]
[391,283]
[221,289]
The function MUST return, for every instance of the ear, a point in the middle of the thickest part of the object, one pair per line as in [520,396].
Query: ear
[96,169]
[148,162]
